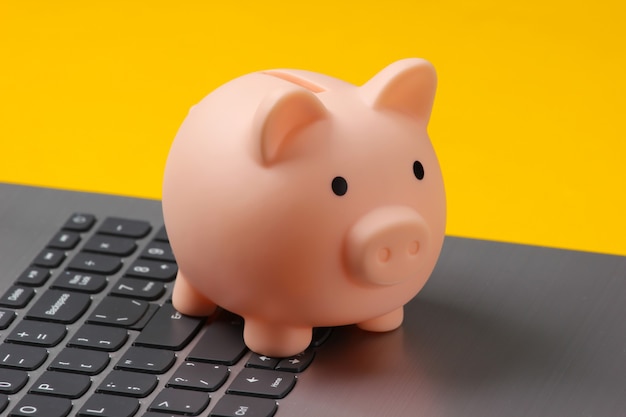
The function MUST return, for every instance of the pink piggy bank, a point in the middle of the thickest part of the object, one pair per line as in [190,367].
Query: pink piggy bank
[298,200]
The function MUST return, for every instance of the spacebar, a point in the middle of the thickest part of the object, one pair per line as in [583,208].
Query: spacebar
[168,329]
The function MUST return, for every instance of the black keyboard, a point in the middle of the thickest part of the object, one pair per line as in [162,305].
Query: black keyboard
[88,329]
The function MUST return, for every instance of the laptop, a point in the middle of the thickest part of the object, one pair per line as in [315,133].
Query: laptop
[87,329]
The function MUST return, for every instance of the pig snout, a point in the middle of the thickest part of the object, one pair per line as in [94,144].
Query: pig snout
[387,245]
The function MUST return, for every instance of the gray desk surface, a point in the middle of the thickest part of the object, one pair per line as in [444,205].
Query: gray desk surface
[499,330]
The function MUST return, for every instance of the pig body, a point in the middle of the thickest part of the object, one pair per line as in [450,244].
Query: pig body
[298,200]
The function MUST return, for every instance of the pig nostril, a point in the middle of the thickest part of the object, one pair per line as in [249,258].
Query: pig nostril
[414,247]
[384,255]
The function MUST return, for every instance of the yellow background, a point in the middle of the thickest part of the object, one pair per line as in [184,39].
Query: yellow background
[528,122]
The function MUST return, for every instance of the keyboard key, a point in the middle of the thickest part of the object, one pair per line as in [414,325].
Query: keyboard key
[80,222]
[64,240]
[60,385]
[12,380]
[320,336]
[81,282]
[262,383]
[33,277]
[148,360]
[99,405]
[33,405]
[222,342]
[297,363]
[108,339]
[4,401]
[22,357]
[36,333]
[59,306]
[131,384]
[168,329]
[161,235]
[158,251]
[261,362]
[81,361]
[199,376]
[117,311]
[177,401]
[49,258]
[17,297]
[160,271]
[237,405]
[138,288]
[125,227]
[110,245]
[6,318]
[93,262]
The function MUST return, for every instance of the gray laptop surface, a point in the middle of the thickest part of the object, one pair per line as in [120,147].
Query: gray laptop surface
[499,330]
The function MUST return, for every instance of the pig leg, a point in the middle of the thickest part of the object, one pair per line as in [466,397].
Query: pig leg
[188,300]
[384,323]
[271,339]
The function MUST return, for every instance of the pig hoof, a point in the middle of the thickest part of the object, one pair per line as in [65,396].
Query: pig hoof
[187,300]
[384,323]
[274,340]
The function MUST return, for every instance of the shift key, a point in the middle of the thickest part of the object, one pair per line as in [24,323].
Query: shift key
[169,329]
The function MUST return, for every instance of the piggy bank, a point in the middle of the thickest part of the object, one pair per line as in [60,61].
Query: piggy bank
[298,200]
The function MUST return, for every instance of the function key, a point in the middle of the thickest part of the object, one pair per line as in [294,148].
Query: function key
[110,245]
[162,235]
[49,258]
[64,240]
[124,227]
[80,222]
[34,277]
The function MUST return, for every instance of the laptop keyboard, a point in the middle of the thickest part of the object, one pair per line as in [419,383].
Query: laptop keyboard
[88,329]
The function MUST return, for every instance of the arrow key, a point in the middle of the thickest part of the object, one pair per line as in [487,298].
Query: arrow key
[262,383]
[179,401]
[297,363]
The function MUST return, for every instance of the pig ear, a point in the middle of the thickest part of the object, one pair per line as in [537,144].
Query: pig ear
[281,115]
[406,86]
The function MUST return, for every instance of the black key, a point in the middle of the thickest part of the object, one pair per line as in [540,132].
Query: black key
[80,281]
[12,380]
[159,251]
[33,277]
[131,384]
[22,357]
[297,363]
[261,361]
[6,318]
[161,235]
[138,288]
[117,311]
[178,401]
[17,297]
[79,222]
[36,333]
[237,405]
[60,385]
[64,240]
[168,329]
[124,227]
[199,376]
[80,361]
[93,262]
[320,335]
[99,405]
[108,339]
[222,342]
[145,268]
[33,405]
[262,383]
[4,401]
[151,361]
[49,258]
[59,306]
[110,245]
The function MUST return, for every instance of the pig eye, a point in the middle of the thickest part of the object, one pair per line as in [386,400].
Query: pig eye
[339,186]
[418,170]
